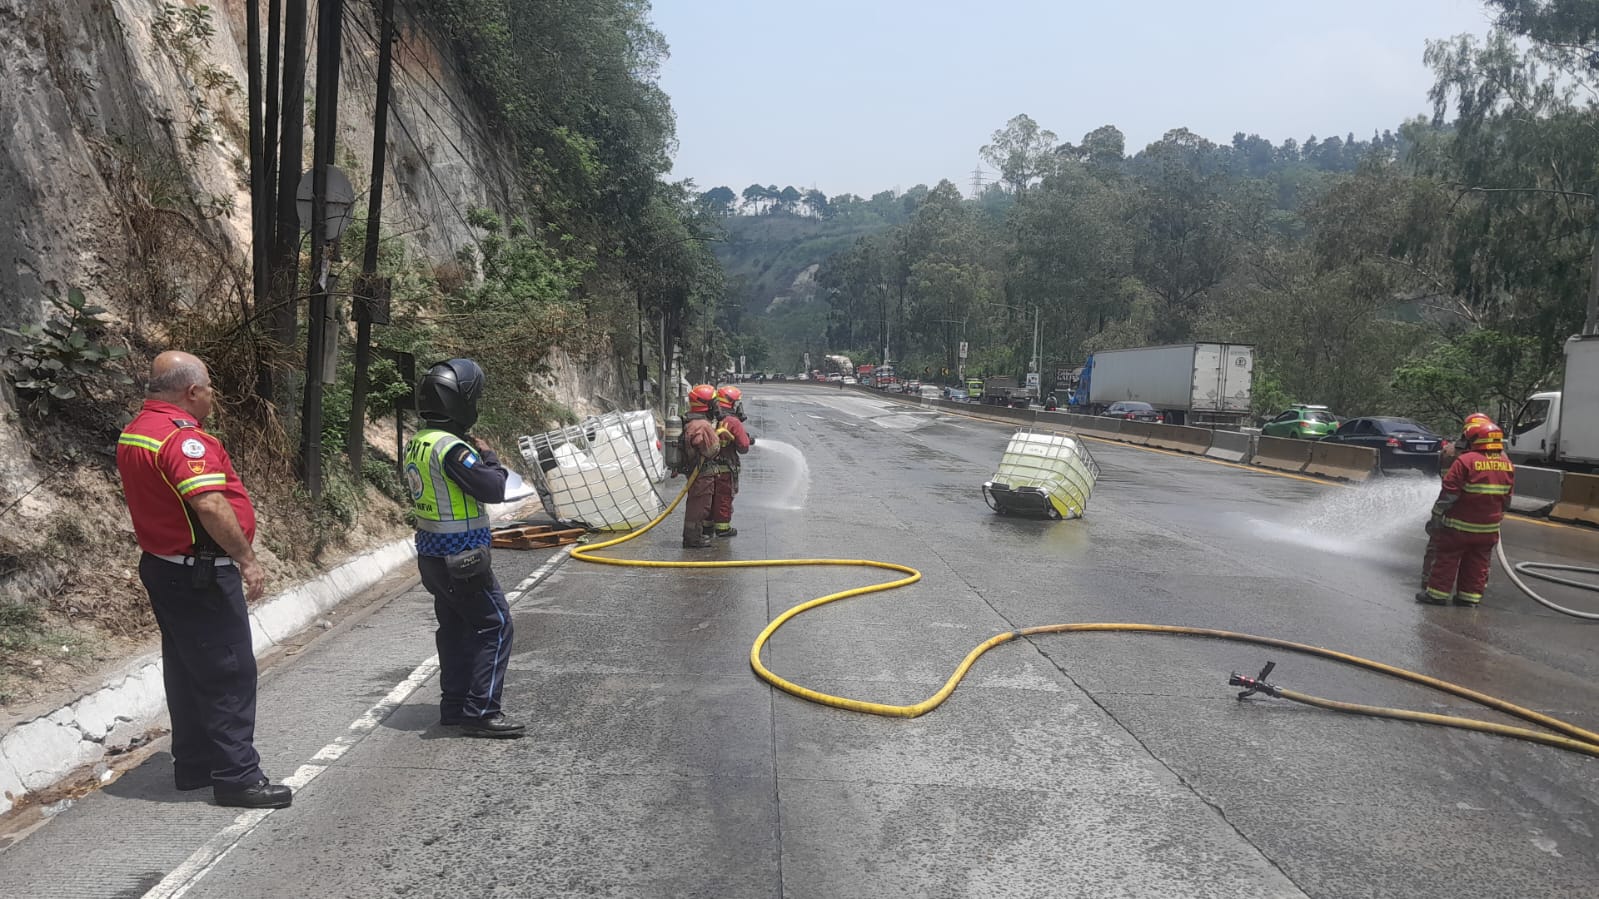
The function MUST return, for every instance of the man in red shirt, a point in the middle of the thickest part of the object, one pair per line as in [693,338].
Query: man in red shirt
[1465,521]
[194,521]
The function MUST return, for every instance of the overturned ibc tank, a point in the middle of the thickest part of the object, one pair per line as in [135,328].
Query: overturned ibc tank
[601,473]
[1044,473]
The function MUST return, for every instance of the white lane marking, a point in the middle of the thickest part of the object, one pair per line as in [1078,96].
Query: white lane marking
[199,864]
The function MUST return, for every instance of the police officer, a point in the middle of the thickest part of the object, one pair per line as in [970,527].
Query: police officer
[452,477]
[195,523]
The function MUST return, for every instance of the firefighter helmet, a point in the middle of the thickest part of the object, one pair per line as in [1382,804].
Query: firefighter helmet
[449,393]
[728,396]
[701,398]
[1484,436]
[1476,418]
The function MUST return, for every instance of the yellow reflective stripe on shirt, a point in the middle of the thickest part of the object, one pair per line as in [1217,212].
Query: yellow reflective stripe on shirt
[139,440]
[216,479]
[1495,489]
[1471,527]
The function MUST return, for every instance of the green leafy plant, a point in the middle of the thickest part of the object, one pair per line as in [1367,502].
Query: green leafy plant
[59,358]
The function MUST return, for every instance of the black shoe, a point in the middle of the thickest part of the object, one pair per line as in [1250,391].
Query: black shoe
[698,544]
[497,727]
[727,532]
[1429,599]
[261,794]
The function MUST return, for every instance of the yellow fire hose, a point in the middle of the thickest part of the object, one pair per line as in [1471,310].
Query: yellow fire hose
[1575,739]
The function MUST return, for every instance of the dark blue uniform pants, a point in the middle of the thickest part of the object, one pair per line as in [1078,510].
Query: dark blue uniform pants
[474,641]
[209,670]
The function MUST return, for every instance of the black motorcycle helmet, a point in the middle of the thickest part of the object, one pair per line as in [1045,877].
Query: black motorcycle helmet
[447,397]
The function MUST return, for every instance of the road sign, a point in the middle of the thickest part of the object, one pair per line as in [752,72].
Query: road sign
[741,366]
[963,349]
[340,197]
[807,361]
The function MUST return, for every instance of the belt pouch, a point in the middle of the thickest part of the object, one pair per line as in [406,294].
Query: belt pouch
[468,565]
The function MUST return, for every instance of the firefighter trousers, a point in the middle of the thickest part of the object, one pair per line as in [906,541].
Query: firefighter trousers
[1460,564]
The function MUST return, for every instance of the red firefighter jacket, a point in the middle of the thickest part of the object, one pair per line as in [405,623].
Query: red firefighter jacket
[1476,492]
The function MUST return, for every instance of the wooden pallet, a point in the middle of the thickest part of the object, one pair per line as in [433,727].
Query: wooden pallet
[535,536]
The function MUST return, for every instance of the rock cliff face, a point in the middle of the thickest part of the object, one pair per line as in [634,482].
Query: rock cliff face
[124,162]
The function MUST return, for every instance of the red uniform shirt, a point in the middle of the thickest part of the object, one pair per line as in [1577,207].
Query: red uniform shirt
[1483,482]
[163,458]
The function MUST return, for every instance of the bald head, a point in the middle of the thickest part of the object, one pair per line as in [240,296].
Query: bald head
[181,379]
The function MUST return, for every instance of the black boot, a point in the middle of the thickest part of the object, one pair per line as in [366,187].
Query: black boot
[261,794]
[728,531]
[1429,599]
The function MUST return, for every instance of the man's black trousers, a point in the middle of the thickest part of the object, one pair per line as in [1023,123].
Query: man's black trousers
[209,670]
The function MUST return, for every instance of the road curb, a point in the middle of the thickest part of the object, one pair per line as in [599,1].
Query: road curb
[38,753]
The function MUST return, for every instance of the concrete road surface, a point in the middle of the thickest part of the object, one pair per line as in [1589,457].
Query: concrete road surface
[1084,765]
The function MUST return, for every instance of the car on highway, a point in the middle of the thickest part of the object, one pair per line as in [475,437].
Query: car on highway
[850,380]
[1303,422]
[1400,443]
[955,394]
[929,391]
[834,378]
[1134,411]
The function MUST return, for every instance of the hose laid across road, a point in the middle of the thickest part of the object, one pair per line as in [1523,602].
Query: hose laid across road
[1539,570]
[1570,737]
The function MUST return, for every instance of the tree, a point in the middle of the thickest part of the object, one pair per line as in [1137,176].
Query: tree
[755,197]
[816,202]
[1021,151]
[719,200]
[788,199]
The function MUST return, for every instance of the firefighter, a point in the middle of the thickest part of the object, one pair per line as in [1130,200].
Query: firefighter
[700,445]
[452,477]
[733,441]
[1476,493]
[1446,457]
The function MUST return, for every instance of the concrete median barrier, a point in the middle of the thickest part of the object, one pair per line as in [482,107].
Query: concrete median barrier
[1281,454]
[1180,438]
[1094,426]
[1537,490]
[1230,446]
[1340,460]
[1136,432]
[1579,499]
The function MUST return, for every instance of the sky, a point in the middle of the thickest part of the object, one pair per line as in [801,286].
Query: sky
[872,95]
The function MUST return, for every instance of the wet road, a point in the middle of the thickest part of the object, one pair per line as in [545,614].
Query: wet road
[1084,765]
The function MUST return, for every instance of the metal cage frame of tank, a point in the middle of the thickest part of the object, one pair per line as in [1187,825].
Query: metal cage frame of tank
[1045,473]
[611,485]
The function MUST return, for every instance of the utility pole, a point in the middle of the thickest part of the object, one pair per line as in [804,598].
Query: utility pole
[1590,326]
[286,245]
[330,36]
[259,201]
[355,436]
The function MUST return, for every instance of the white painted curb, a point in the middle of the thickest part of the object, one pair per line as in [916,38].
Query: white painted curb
[36,754]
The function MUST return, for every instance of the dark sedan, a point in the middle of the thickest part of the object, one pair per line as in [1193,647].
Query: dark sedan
[1400,443]
[1133,411]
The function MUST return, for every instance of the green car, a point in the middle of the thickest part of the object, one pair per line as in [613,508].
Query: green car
[1305,422]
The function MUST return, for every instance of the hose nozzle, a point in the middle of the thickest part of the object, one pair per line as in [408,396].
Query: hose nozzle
[1256,684]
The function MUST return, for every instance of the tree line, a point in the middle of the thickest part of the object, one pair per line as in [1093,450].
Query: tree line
[1426,271]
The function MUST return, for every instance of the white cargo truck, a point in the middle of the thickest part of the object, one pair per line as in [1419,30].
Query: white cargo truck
[1202,384]
[1560,428]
